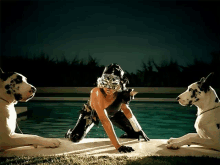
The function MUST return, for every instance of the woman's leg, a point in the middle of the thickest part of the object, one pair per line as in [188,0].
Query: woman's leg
[83,125]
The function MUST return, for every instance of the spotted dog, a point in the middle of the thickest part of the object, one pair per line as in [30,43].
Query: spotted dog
[13,88]
[207,124]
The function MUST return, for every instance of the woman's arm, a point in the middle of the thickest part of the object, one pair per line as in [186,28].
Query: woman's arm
[98,103]
[132,119]
[127,111]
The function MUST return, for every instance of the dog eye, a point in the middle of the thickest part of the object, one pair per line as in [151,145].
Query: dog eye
[190,89]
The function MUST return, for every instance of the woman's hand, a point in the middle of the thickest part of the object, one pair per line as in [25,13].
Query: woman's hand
[125,149]
[143,135]
[98,103]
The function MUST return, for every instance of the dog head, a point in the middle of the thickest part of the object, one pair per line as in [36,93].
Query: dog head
[196,92]
[16,86]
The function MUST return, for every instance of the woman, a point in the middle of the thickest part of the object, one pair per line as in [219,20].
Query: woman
[109,104]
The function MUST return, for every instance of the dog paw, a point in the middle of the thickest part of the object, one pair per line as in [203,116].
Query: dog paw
[52,143]
[173,143]
[35,145]
[172,140]
[173,146]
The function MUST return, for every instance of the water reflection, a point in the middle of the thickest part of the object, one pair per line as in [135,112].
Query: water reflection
[158,120]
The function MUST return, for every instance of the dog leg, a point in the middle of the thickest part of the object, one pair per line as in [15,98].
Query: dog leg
[176,143]
[192,138]
[19,140]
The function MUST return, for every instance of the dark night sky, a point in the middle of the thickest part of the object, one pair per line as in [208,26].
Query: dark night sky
[125,32]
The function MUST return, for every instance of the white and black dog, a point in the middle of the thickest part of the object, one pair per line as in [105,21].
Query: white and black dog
[207,124]
[14,88]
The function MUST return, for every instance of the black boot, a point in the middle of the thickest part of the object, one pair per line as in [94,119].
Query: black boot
[86,121]
[82,127]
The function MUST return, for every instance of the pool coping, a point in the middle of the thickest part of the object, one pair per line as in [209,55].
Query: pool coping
[87,98]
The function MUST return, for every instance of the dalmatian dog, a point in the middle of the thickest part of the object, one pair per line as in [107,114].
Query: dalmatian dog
[207,124]
[13,88]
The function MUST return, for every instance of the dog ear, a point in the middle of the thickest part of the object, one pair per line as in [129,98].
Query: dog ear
[208,79]
[206,82]
[200,82]
[1,72]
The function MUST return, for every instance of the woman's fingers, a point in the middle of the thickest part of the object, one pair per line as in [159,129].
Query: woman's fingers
[125,149]
[144,136]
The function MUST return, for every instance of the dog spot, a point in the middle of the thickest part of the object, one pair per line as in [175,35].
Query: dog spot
[5,76]
[18,80]
[194,93]
[7,86]
[216,100]
[8,92]
[190,102]
[196,100]
[17,96]
[205,88]
[218,126]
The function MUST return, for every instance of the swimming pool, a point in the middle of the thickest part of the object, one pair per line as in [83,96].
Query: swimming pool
[159,120]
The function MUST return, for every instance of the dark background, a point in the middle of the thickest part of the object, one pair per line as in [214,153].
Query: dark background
[68,43]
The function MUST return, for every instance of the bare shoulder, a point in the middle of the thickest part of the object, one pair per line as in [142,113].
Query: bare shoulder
[96,92]
[96,98]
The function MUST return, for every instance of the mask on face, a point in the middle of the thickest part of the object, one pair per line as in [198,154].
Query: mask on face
[109,81]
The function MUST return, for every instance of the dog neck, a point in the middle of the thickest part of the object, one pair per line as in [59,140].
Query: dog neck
[208,102]
[7,98]
[4,100]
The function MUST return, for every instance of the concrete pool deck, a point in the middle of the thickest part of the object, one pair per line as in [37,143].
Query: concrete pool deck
[103,147]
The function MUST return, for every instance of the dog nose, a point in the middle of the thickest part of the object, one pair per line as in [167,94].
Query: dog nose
[177,98]
[33,89]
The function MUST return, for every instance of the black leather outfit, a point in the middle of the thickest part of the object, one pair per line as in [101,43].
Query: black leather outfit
[115,114]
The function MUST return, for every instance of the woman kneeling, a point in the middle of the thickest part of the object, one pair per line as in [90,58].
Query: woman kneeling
[109,103]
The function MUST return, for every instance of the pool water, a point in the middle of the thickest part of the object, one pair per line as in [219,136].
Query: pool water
[159,120]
